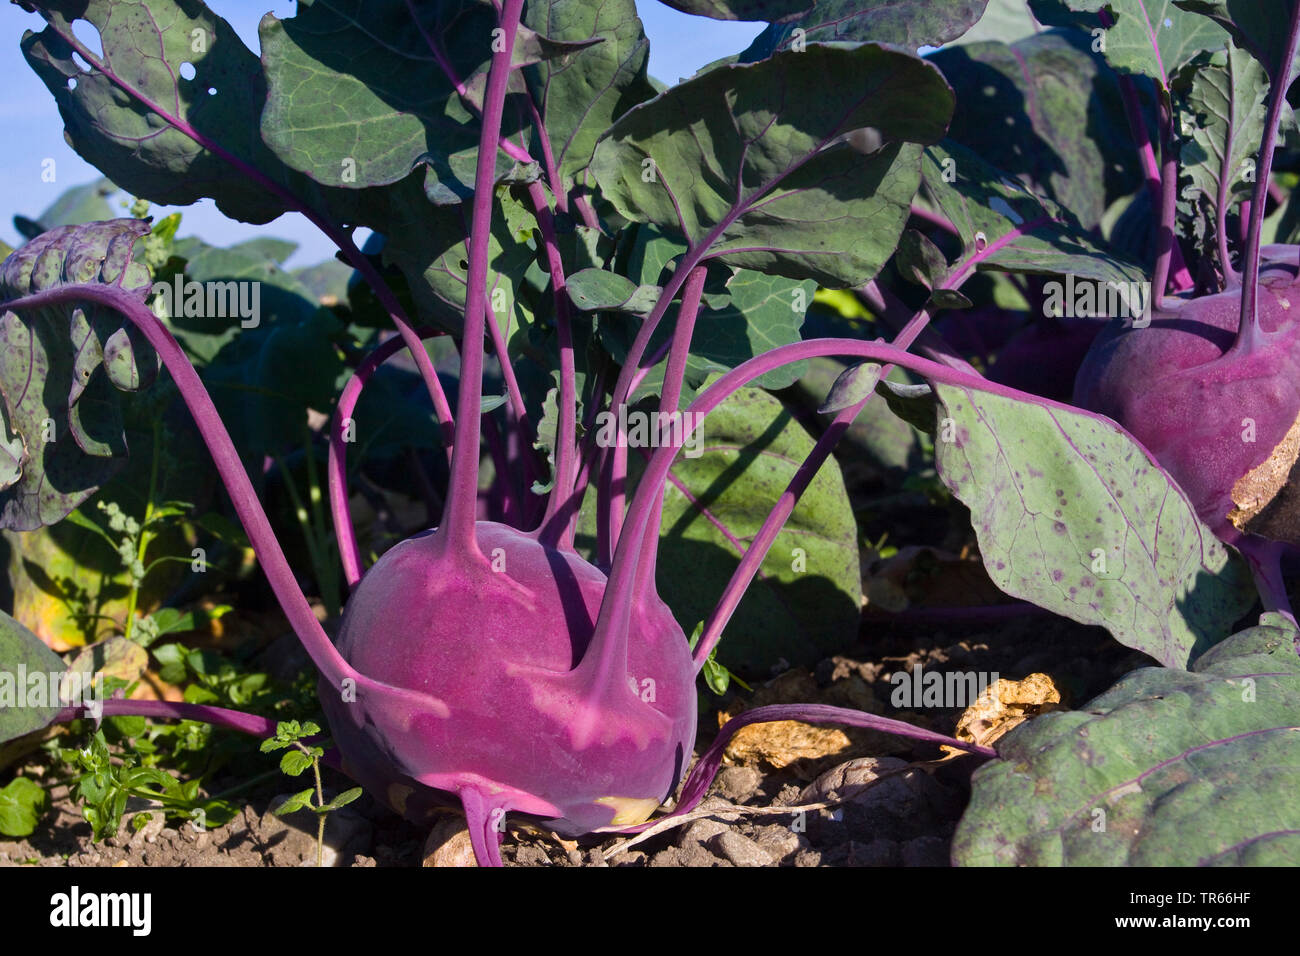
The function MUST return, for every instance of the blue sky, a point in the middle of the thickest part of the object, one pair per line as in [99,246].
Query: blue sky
[679,45]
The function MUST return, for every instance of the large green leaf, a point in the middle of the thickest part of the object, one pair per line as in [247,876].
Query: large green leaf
[908,23]
[1225,97]
[1168,768]
[580,96]
[1150,37]
[1073,516]
[1004,227]
[22,655]
[68,417]
[753,163]
[358,94]
[145,46]
[1047,110]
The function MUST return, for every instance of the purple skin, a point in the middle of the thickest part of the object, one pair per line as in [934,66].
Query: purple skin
[1176,389]
[504,664]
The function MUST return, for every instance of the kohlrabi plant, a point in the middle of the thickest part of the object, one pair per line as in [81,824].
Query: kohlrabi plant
[607,270]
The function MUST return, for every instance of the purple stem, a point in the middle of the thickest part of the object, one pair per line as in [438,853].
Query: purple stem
[669,398]
[1249,335]
[242,496]
[458,521]
[518,417]
[1265,560]
[608,643]
[785,505]
[566,439]
[337,469]
[890,310]
[1182,277]
[1155,180]
[1230,276]
[515,152]
[1166,241]
[339,237]
[250,724]
[706,768]
[505,485]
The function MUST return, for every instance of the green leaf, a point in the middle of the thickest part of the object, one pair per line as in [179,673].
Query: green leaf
[13,452]
[1150,37]
[171,660]
[598,290]
[22,802]
[879,443]
[25,668]
[356,97]
[852,385]
[428,244]
[342,800]
[1225,109]
[295,762]
[86,203]
[806,599]
[50,396]
[770,10]
[1259,27]
[295,803]
[1047,110]
[716,677]
[781,189]
[919,260]
[581,95]
[144,46]
[908,23]
[1167,768]
[1006,21]
[1004,227]
[1073,516]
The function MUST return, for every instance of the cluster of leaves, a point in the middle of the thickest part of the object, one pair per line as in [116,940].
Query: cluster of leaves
[957,183]
[104,784]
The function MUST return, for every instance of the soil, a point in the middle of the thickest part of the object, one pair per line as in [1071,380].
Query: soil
[906,818]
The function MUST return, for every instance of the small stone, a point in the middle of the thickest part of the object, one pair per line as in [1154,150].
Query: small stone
[741,850]
[700,832]
[738,784]
[778,840]
[449,844]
